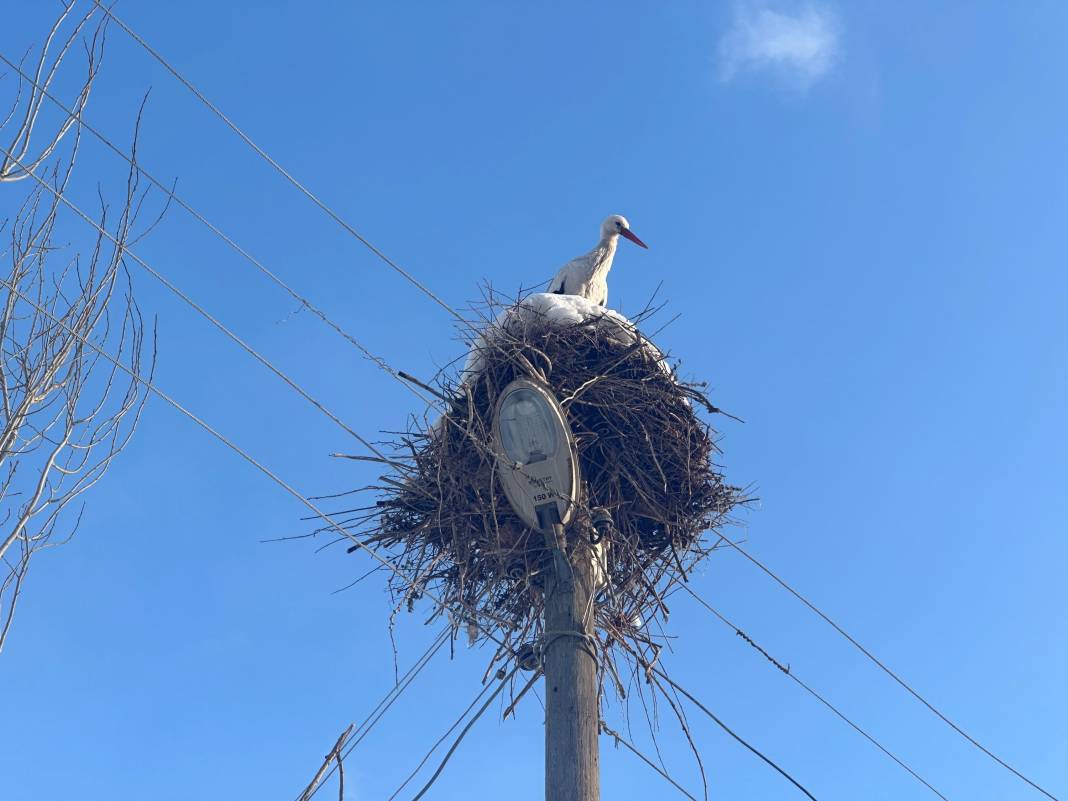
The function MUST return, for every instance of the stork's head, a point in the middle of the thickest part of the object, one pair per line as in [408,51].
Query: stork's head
[617,225]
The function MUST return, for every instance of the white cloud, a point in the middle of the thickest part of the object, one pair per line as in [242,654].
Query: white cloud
[800,45]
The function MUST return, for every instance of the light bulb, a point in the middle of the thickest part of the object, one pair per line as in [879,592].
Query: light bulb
[527,431]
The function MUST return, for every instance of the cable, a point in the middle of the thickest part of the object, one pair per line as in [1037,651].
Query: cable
[241,251]
[365,728]
[786,670]
[620,739]
[203,312]
[440,740]
[729,731]
[463,734]
[278,167]
[387,701]
[888,671]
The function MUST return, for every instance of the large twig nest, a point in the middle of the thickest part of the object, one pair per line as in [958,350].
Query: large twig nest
[647,456]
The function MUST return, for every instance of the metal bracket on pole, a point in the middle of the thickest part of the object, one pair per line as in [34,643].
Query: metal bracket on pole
[556,543]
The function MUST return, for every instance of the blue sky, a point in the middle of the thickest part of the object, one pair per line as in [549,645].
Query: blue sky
[857,210]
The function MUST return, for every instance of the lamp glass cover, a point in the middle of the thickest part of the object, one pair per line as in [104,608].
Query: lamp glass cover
[528,433]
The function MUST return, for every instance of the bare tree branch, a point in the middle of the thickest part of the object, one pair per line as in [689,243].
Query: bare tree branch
[30,95]
[64,413]
[334,755]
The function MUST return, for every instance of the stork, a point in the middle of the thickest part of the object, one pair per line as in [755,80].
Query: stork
[587,276]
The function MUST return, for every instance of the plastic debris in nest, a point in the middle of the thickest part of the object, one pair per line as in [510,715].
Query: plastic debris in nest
[647,458]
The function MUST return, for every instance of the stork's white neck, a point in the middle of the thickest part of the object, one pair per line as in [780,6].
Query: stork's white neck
[606,250]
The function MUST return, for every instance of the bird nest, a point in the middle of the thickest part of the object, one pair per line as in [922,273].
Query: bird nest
[647,456]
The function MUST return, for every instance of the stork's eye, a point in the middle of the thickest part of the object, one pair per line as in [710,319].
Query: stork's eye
[619,225]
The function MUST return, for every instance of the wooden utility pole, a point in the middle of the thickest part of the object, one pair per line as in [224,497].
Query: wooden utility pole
[572,717]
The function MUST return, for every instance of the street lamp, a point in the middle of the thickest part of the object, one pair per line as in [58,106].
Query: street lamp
[539,472]
[535,455]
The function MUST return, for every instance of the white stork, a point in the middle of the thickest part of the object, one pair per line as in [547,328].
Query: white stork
[587,276]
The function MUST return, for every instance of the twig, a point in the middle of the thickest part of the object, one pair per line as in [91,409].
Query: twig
[334,755]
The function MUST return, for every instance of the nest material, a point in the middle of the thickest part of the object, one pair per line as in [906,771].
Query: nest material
[647,456]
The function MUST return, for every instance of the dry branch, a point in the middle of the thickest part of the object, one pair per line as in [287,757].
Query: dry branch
[334,756]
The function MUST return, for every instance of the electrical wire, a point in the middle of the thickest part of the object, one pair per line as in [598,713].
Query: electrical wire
[440,740]
[887,670]
[629,745]
[383,706]
[387,701]
[790,674]
[277,167]
[503,683]
[730,731]
[202,311]
[218,232]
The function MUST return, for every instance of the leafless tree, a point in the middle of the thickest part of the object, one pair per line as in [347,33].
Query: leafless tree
[20,158]
[65,410]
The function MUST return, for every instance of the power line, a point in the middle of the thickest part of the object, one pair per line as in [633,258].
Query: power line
[202,311]
[440,740]
[76,116]
[466,729]
[387,701]
[383,706]
[887,670]
[730,731]
[630,746]
[789,673]
[278,167]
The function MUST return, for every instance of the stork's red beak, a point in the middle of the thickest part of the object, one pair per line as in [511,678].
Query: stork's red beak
[627,233]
